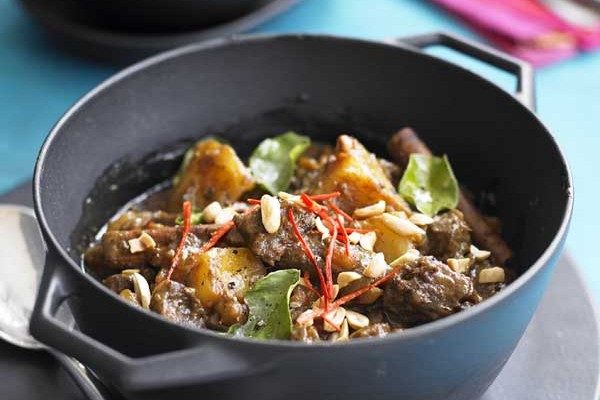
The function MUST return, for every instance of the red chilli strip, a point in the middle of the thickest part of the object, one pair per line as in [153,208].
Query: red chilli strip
[254,201]
[222,231]
[339,211]
[330,322]
[312,206]
[187,222]
[309,285]
[329,259]
[309,254]
[351,296]
[325,196]
[345,237]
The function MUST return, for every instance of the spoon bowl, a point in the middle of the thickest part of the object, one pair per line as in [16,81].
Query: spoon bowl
[22,255]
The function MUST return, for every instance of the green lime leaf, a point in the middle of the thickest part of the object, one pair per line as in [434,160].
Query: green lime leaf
[269,307]
[429,184]
[274,160]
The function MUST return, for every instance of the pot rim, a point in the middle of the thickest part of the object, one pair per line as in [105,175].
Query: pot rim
[422,330]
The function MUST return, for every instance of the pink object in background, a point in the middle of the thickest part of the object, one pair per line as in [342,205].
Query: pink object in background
[538,31]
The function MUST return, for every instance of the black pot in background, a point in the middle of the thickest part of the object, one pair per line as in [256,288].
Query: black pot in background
[130,130]
[155,16]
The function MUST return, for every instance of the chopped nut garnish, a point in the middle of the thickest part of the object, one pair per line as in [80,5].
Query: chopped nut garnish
[421,219]
[225,216]
[370,211]
[356,320]
[142,290]
[307,318]
[377,266]
[147,241]
[459,264]
[128,272]
[399,214]
[142,243]
[402,227]
[322,228]
[335,291]
[371,296]
[336,316]
[136,246]
[479,255]
[344,278]
[367,240]
[321,300]
[354,237]
[211,211]
[491,275]
[129,296]
[290,197]
[342,335]
[271,213]
[410,256]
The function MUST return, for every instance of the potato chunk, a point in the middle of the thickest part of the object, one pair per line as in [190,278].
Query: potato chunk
[357,174]
[213,172]
[221,277]
[388,242]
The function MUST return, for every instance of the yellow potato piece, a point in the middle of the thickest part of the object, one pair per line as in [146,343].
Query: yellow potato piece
[214,173]
[222,274]
[357,174]
[388,242]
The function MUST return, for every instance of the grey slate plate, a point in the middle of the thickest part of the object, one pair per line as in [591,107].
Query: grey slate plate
[120,47]
[557,359]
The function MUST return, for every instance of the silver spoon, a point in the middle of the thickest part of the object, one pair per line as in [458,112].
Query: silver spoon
[22,255]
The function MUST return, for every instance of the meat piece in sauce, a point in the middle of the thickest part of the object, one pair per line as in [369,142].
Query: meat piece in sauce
[130,220]
[282,249]
[426,290]
[119,282]
[447,237]
[178,303]
[113,251]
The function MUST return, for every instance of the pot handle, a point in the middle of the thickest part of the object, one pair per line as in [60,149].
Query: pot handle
[525,92]
[176,368]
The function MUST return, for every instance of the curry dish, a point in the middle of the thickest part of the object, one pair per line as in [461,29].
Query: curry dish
[305,241]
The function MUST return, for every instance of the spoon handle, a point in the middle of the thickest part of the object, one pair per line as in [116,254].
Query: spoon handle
[90,386]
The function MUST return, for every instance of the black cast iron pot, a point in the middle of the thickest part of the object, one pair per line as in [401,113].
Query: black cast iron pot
[128,134]
[153,16]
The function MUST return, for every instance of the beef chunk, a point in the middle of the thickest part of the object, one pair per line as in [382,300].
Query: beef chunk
[119,282]
[447,237]
[141,220]
[281,246]
[425,291]
[301,300]
[283,250]
[113,253]
[178,303]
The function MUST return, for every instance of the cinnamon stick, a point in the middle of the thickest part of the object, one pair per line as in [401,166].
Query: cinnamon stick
[401,146]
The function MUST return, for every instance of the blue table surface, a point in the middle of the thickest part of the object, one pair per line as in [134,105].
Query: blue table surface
[39,82]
